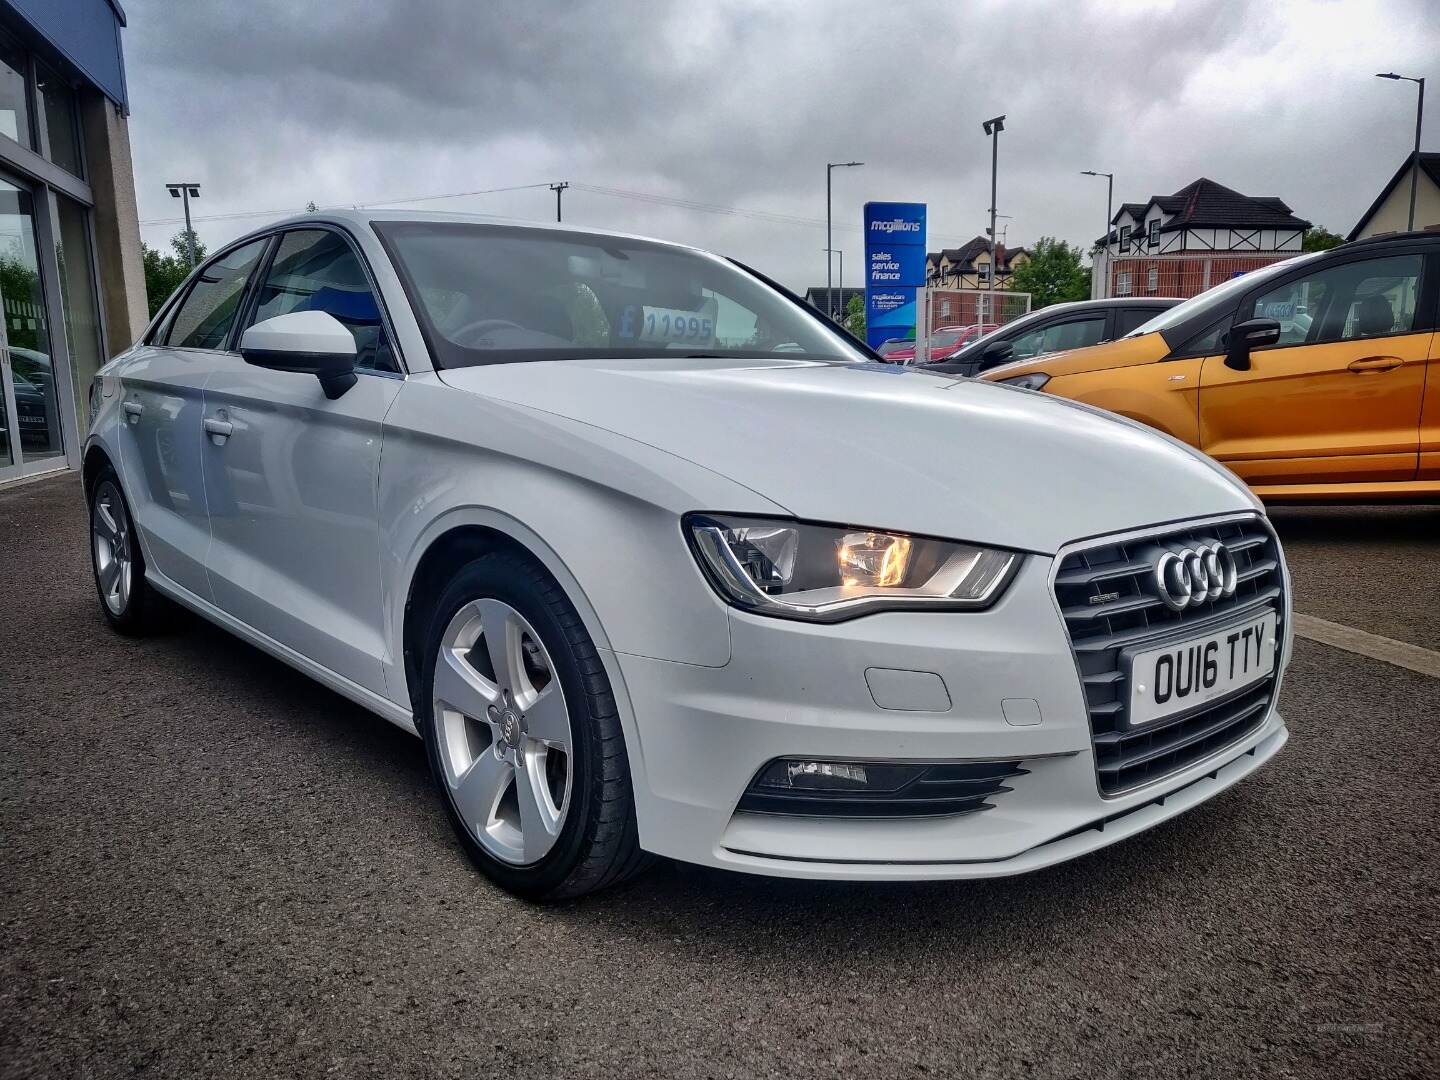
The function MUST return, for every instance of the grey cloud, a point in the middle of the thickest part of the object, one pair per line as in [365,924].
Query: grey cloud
[741,103]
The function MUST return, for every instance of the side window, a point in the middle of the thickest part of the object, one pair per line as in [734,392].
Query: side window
[1127,319]
[1346,302]
[318,270]
[1075,334]
[204,318]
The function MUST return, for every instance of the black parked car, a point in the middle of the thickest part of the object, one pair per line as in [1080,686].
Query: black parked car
[1051,329]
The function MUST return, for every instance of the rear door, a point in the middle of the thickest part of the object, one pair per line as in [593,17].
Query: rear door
[295,552]
[161,406]
[1338,399]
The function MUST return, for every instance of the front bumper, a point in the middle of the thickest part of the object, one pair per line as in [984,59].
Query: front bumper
[800,690]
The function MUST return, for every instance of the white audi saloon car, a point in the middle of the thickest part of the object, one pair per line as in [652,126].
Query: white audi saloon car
[656,560]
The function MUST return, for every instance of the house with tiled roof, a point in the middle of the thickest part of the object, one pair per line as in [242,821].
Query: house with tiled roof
[1181,244]
[968,266]
[1390,212]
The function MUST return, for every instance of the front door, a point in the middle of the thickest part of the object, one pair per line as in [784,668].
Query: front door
[31,433]
[1338,399]
[161,408]
[295,552]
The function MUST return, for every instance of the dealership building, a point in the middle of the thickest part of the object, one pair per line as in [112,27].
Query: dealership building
[72,284]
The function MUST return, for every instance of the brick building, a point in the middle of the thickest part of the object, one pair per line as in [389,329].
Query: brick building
[1181,244]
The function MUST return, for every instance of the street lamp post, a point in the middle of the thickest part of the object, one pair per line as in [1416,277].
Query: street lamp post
[993,127]
[186,192]
[840,285]
[1419,116]
[1109,203]
[829,282]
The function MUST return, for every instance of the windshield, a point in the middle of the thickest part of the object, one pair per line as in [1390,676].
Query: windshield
[1215,296]
[490,294]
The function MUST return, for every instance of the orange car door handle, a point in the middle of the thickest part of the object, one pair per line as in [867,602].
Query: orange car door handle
[1375,363]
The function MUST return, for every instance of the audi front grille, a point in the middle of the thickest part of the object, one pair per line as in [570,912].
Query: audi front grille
[1111,602]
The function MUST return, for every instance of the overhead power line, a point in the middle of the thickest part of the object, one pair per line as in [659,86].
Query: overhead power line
[649,197]
[346,206]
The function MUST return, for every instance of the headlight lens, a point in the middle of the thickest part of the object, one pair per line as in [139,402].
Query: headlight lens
[826,573]
[1036,380]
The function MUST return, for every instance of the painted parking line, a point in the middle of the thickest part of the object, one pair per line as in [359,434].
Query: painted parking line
[1400,653]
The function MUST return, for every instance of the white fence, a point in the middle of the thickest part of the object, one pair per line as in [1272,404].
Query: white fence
[987,309]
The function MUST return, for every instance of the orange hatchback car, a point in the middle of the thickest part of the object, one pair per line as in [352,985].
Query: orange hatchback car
[1315,379]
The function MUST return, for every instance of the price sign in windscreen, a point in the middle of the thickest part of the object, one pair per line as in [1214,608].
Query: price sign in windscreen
[645,324]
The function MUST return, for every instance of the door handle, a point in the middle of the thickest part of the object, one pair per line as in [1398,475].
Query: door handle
[218,430]
[132,409]
[1375,364]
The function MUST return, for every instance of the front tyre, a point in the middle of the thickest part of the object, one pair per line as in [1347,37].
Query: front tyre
[130,605]
[523,736]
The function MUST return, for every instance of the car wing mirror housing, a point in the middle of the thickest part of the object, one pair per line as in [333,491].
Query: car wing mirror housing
[307,343]
[1245,336]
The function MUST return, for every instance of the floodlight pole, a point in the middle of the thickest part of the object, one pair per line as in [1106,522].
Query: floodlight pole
[183,192]
[993,127]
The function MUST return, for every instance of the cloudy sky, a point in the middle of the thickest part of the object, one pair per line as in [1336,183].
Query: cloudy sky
[669,117]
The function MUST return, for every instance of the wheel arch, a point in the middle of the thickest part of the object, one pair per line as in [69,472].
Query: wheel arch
[96,458]
[463,535]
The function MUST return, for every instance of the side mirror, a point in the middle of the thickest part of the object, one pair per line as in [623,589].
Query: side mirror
[1252,334]
[305,342]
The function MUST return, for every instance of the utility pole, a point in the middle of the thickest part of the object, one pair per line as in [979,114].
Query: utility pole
[1109,202]
[559,190]
[1419,116]
[993,127]
[830,166]
[185,192]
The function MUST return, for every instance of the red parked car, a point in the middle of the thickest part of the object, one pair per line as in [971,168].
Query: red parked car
[944,342]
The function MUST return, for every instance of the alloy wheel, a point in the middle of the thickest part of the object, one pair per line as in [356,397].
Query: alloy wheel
[503,730]
[114,562]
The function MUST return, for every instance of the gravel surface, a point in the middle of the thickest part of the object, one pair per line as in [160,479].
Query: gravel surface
[214,867]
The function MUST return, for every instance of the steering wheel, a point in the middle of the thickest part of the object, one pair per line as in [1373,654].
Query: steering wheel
[480,326]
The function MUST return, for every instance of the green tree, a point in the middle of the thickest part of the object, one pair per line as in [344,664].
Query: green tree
[854,320]
[1320,239]
[1053,274]
[164,273]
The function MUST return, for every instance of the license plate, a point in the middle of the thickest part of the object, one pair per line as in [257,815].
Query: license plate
[1182,676]
[30,419]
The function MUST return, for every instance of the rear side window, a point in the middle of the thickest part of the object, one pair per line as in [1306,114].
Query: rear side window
[205,316]
[1075,334]
[318,270]
[1127,319]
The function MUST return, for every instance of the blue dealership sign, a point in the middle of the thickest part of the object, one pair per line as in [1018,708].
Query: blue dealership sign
[894,268]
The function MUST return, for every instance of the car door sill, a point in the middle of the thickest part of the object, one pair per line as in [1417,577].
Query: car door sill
[381,706]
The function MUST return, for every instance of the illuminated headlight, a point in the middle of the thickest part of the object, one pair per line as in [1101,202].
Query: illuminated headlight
[1036,380]
[826,573]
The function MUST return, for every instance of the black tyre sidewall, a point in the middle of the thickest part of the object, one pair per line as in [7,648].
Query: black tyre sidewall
[513,580]
[132,620]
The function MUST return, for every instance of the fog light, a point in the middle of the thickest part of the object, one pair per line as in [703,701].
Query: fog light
[798,786]
[813,775]
[837,776]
